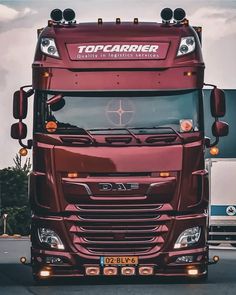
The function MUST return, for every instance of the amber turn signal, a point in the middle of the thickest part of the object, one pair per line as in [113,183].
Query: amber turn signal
[23,152]
[214,151]
[51,126]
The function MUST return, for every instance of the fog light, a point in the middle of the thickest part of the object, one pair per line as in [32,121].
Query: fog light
[128,271]
[193,272]
[146,270]
[110,271]
[92,270]
[44,273]
[184,259]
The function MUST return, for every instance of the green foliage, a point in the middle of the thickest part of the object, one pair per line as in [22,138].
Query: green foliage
[19,166]
[13,186]
[14,197]
[18,220]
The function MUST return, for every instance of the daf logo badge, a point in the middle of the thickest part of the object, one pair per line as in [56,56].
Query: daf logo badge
[106,186]
[231,210]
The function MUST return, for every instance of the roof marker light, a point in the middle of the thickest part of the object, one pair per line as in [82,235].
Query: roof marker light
[56,15]
[179,15]
[186,125]
[118,21]
[51,126]
[68,14]
[166,15]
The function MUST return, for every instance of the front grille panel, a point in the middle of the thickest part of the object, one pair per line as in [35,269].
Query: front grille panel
[127,229]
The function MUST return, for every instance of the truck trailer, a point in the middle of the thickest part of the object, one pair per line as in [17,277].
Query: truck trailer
[221,166]
[118,185]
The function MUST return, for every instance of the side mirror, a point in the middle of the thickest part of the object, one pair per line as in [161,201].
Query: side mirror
[20,104]
[217,103]
[18,130]
[220,128]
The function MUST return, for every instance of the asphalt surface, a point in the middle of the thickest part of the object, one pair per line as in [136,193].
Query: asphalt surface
[16,278]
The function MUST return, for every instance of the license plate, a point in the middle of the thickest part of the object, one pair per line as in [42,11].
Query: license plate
[119,260]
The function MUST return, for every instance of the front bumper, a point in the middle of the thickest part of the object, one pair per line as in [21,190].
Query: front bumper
[165,263]
[73,261]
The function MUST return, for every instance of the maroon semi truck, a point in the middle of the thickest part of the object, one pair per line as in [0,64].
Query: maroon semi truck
[118,186]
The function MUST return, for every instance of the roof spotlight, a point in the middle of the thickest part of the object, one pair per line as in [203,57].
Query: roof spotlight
[68,14]
[166,14]
[179,14]
[56,15]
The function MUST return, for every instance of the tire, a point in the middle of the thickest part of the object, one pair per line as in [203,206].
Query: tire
[233,245]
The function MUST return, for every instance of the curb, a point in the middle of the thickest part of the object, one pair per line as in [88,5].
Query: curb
[15,236]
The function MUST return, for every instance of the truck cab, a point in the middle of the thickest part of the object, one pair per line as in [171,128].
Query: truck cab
[118,185]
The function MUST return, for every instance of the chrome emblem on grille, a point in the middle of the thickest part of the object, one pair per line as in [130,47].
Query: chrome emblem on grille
[119,186]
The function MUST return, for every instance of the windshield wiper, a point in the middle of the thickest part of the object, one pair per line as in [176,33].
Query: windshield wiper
[161,128]
[68,126]
[138,140]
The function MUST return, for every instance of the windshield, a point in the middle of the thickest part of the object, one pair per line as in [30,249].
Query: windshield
[106,111]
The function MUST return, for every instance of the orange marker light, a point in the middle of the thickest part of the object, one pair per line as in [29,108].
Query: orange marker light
[214,151]
[92,270]
[164,174]
[45,74]
[110,271]
[23,152]
[72,174]
[51,126]
[186,125]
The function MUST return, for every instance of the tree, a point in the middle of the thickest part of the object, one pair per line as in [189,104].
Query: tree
[14,195]
[20,166]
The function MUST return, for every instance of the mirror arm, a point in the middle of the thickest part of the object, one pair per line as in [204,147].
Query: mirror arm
[211,85]
[29,144]
[208,142]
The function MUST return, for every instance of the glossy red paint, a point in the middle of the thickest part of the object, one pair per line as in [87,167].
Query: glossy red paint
[118,204]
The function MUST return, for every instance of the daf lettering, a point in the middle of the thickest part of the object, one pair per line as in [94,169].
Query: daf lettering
[119,186]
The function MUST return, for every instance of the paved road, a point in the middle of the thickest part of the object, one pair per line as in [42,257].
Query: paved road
[16,278]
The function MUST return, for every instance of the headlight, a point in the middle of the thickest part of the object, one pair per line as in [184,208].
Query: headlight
[49,47]
[188,237]
[187,45]
[49,237]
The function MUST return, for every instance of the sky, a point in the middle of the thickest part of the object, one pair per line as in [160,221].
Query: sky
[20,19]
